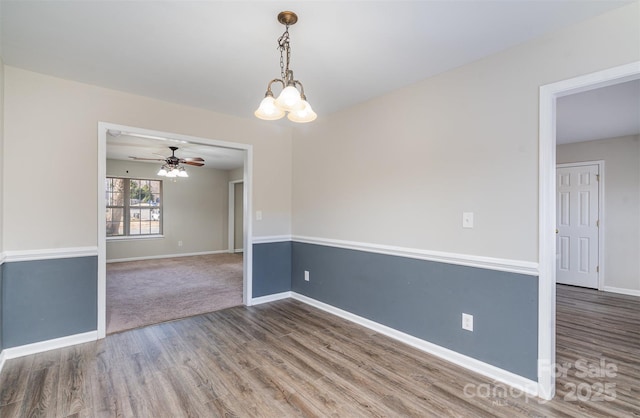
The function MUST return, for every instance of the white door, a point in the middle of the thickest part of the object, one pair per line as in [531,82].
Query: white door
[578,221]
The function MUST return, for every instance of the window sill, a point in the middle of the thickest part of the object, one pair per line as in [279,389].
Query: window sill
[134,238]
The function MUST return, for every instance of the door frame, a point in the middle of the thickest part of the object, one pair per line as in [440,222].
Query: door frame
[232,216]
[547,209]
[247,275]
[601,215]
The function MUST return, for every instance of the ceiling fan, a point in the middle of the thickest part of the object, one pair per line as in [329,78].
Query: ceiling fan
[171,166]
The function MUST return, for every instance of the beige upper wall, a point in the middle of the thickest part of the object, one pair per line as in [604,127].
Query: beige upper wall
[401,169]
[51,123]
[195,211]
[2,153]
[621,204]
[236,174]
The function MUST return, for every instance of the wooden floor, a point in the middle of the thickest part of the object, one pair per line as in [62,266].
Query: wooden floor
[288,359]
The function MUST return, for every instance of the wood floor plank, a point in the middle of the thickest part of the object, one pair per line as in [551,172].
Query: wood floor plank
[11,410]
[225,406]
[75,394]
[232,380]
[42,397]
[13,380]
[308,387]
[109,388]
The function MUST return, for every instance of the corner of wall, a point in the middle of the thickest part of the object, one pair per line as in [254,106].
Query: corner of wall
[1,190]
[1,297]
[272,264]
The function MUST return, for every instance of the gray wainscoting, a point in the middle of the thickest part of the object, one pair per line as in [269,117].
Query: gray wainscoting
[47,299]
[271,268]
[426,299]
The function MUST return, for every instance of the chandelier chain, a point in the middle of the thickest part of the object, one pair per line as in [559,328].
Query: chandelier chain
[283,46]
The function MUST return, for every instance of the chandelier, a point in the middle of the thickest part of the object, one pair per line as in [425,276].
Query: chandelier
[291,98]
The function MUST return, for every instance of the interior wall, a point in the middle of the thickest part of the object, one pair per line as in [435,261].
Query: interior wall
[195,212]
[2,153]
[54,120]
[1,182]
[621,204]
[236,174]
[49,299]
[425,299]
[401,169]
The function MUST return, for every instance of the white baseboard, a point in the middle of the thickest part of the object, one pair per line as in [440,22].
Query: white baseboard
[154,257]
[39,347]
[492,372]
[622,291]
[270,298]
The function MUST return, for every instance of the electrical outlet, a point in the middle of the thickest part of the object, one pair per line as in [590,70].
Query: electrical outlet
[467,322]
[306,275]
[258,215]
[179,243]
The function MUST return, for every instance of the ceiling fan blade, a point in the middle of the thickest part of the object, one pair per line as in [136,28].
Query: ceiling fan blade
[193,163]
[147,159]
[192,159]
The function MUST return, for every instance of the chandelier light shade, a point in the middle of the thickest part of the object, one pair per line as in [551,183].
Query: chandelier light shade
[304,114]
[268,109]
[292,98]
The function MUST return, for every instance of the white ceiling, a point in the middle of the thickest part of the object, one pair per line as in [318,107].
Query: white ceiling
[220,55]
[122,147]
[606,112]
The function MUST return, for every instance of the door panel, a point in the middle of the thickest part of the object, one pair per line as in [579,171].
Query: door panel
[577,217]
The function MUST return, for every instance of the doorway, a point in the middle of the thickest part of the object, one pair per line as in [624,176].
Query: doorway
[246,152]
[547,210]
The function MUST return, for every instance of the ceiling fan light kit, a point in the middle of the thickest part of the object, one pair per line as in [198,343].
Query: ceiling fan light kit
[292,98]
[171,167]
[170,172]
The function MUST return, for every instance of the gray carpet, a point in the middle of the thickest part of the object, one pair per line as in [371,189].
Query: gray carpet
[141,293]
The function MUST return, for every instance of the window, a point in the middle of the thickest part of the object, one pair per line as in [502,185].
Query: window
[133,207]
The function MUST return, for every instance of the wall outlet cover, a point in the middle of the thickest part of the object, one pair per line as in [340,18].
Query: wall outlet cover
[467,322]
